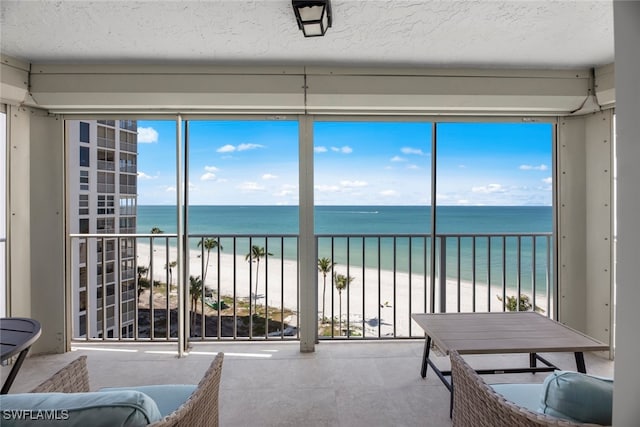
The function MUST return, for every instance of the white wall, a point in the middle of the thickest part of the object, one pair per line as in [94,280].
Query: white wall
[627,74]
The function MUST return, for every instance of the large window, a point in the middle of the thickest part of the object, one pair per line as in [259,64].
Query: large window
[410,216]
[84,132]
[85,156]
[372,184]
[496,179]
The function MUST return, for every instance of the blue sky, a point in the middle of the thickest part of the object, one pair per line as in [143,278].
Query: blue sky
[355,163]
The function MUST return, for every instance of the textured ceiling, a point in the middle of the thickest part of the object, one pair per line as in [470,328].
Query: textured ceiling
[502,34]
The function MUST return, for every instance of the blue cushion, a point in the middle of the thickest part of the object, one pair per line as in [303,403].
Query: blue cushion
[523,395]
[126,408]
[577,397]
[168,397]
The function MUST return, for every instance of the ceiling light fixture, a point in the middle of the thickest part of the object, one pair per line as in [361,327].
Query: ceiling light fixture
[313,16]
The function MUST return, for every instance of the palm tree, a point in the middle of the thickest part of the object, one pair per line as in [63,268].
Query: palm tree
[325,265]
[171,266]
[195,290]
[143,282]
[154,230]
[341,282]
[208,244]
[256,254]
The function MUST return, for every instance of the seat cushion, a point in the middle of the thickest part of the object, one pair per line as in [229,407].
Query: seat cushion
[125,408]
[577,397]
[523,395]
[168,397]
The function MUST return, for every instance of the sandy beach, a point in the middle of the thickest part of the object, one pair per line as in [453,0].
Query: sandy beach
[372,312]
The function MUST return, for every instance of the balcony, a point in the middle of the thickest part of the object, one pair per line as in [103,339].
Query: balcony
[272,383]
[106,165]
[127,189]
[107,142]
[253,295]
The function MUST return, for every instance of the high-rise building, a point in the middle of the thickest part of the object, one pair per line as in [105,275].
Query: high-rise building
[102,186]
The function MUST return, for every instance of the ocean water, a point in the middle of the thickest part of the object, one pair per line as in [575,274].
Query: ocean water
[496,259]
[351,219]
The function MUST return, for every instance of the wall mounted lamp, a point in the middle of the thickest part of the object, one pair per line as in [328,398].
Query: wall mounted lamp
[313,16]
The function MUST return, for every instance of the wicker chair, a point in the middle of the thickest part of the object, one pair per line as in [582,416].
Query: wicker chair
[200,409]
[476,404]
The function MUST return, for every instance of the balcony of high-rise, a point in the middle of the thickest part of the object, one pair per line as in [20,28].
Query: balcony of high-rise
[305,349]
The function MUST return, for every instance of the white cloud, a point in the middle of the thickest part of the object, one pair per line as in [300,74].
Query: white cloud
[209,176]
[533,168]
[409,150]
[327,188]
[142,175]
[320,149]
[170,189]
[245,147]
[344,150]
[147,135]
[353,184]
[268,176]
[462,166]
[388,193]
[250,186]
[548,180]
[283,193]
[413,167]
[398,159]
[489,189]
[226,149]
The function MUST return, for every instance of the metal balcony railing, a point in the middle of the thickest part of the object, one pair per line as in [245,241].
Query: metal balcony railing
[106,142]
[106,188]
[128,189]
[129,146]
[368,288]
[105,165]
[129,168]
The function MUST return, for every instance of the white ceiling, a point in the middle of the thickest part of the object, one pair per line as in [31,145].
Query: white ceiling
[496,34]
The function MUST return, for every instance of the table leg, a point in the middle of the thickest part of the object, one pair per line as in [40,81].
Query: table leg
[425,356]
[532,360]
[580,362]
[14,371]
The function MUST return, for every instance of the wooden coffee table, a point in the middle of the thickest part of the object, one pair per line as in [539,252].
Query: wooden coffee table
[496,333]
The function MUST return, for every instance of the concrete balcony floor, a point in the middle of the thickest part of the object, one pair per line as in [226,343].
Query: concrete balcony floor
[273,384]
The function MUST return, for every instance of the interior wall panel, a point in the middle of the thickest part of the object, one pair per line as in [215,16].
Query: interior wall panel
[572,239]
[47,213]
[599,234]
[585,223]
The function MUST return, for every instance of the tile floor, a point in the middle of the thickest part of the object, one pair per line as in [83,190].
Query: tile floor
[273,384]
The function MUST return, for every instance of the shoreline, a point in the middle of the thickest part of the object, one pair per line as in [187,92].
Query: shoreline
[370,307]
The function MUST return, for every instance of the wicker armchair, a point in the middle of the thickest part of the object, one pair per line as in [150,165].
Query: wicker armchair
[476,404]
[200,409]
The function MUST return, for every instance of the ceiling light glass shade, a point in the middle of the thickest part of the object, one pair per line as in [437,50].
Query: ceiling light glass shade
[313,16]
